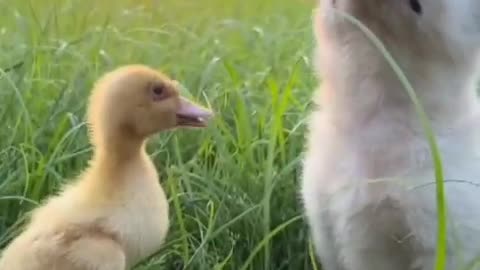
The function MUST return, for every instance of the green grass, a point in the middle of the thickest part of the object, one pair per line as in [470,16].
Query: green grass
[233,188]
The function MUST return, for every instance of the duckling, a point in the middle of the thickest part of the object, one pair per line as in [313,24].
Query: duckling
[116,213]
[368,180]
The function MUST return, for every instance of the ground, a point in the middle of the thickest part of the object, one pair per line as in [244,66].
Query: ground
[233,188]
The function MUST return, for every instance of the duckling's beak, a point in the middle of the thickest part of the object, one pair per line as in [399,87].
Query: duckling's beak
[190,114]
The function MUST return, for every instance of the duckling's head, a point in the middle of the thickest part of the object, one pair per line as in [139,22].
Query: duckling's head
[136,101]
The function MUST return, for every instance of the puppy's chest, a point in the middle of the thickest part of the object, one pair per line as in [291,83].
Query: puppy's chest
[373,159]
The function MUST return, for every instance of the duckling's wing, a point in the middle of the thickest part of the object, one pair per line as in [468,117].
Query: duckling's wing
[82,250]
[95,253]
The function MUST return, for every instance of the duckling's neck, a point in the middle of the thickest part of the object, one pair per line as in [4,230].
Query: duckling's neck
[116,152]
[119,166]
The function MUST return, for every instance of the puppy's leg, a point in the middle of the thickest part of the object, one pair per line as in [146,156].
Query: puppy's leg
[374,237]
[325,243]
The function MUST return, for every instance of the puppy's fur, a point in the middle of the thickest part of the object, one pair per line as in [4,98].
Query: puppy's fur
[368,181]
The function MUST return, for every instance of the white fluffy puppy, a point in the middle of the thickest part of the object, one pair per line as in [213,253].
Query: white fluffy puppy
[366,129]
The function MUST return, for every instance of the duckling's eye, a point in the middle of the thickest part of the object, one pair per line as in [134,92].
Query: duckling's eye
[159,92]
[416,6]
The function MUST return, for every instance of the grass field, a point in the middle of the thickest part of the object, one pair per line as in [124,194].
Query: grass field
[233,187]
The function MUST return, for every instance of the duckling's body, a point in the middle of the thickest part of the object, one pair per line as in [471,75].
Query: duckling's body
[131,230]
[114,215]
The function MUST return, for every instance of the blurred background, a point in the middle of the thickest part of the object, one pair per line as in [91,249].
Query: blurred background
[233,188]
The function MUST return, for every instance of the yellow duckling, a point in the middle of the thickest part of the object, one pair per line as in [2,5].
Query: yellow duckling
[116,213]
